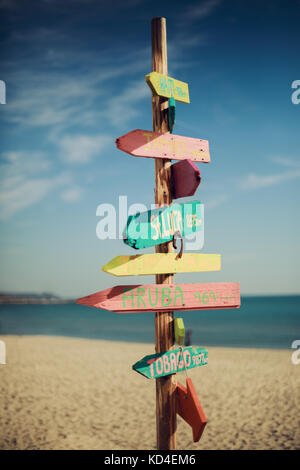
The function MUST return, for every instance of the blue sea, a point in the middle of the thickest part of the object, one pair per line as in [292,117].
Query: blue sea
[261,322]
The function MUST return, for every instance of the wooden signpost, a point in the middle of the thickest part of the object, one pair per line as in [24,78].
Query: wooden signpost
[160,228]
[164,334]
[162,263]
[162,297]
[171,362]
[185,178]
[157,226]
[149,144]
[168,87]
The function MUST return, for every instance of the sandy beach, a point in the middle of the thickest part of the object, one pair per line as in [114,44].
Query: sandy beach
[70,393]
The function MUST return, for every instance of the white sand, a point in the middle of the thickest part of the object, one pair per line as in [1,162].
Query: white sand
[67,393]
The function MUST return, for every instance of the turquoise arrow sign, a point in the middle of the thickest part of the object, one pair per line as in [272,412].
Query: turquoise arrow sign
[159,225]
[170,362]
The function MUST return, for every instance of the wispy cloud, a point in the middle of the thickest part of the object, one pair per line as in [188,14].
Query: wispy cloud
[184,40]
[201,10]
[217,201]
[73,194]
[122,108]
[69,95]
[60,6]
[25,180]
[8,4]
[256,181]
[23,193]
[65,100]
[16,164]
[42,100]
[81,149]
[286,161]
[75,86]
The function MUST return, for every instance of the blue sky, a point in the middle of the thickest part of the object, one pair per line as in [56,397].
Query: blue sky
[74,74]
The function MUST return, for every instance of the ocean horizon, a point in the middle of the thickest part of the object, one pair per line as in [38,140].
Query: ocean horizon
[271,322]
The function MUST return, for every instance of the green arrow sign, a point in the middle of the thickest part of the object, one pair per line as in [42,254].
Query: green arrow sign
[170,362]
[159,225]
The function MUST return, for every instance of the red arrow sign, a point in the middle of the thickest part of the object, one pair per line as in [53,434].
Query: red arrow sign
[141,143]
[186,179]
[188,406]
[163,297]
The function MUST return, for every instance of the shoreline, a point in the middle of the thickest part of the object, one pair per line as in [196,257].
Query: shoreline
[263,348]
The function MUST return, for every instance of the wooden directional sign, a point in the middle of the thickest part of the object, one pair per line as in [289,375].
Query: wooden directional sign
[162,263]
[188,406]
[149,144]
[158,226]
[170,362]
[165,297]
[168,87]
[185,179]
[171,114]
[179,331]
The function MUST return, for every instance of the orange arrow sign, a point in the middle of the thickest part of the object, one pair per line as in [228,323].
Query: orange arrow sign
[188,406]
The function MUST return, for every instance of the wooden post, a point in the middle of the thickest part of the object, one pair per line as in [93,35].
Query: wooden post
[165,386]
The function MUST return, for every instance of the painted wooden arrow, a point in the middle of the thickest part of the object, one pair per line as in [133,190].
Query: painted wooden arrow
[171,114]
[162,263]
[149,144]
[179,331]
[171,362]
[188,406]
[168,87]
[158,226]
[185,179]
[165,297]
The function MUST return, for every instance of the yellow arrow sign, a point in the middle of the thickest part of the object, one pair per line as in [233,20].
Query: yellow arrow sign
[162,263]
[168,87]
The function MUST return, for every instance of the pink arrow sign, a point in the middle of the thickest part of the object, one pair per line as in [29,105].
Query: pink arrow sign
[188,406]
[186,179]
[141,143]
[165,297]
